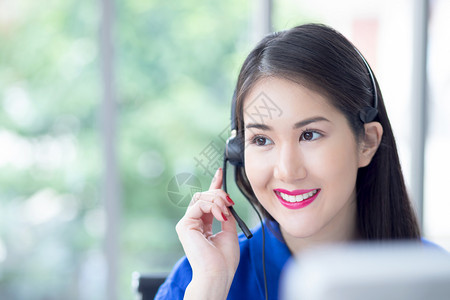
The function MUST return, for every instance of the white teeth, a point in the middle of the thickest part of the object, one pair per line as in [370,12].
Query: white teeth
[297,198]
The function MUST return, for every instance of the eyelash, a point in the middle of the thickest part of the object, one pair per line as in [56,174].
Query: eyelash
[256,137]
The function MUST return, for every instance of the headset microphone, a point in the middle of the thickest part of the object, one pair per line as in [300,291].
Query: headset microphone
[241,223]
[234,153]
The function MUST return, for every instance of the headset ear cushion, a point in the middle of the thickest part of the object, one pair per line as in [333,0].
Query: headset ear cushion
[368,114]
[234,151]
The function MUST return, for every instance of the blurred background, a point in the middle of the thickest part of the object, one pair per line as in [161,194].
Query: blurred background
[113,113]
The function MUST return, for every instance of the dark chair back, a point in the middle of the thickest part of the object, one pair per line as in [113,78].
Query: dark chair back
[146,285]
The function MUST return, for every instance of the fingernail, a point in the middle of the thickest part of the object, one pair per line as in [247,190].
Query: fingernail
[224,217]
[229,200]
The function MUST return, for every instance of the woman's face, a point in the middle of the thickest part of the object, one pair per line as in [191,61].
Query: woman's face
[301,159]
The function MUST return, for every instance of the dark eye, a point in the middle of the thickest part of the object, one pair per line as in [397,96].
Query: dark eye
[309,135]
[261,141]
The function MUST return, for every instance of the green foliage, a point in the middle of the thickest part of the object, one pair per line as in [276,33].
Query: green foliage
[49,91]
[176,64]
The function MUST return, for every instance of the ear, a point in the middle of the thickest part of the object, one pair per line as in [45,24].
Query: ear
[373,132]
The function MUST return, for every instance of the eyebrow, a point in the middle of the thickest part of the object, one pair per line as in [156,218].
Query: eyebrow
[296,125]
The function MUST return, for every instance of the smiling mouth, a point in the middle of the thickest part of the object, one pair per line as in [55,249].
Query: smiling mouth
[294,198]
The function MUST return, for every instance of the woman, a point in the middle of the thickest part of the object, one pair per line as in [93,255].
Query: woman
[324,169]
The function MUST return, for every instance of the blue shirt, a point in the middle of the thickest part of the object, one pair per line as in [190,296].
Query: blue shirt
[248,282]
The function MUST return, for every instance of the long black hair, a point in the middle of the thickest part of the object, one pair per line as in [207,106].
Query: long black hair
[324,60]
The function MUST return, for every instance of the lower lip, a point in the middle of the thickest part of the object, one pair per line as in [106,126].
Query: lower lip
[298,205]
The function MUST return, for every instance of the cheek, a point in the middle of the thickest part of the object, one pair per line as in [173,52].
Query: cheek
[337,164]
[258,170]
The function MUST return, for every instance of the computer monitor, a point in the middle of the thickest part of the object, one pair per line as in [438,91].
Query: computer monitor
[368,271]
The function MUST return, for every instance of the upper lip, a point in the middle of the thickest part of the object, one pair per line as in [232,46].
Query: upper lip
[294,192]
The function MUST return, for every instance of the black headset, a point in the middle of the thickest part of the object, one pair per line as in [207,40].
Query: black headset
[369,113]
[234,154]
[234,149]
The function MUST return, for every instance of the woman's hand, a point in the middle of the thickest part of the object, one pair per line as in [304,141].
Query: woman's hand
[213,257]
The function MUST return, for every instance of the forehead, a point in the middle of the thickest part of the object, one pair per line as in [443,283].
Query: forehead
[277,98]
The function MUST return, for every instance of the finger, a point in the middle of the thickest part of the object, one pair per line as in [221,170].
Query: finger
[230,225]
[216,182]
[195,198]
[216,196]
[202,208]
[220,198]
[217,211]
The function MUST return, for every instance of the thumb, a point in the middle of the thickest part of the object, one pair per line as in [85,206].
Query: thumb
[216,182]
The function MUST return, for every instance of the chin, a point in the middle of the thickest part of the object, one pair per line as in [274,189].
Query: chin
[299,231]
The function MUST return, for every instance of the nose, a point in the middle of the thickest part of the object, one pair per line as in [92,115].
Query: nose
[290,164]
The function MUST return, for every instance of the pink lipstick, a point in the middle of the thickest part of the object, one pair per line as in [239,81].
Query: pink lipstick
[296,199]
